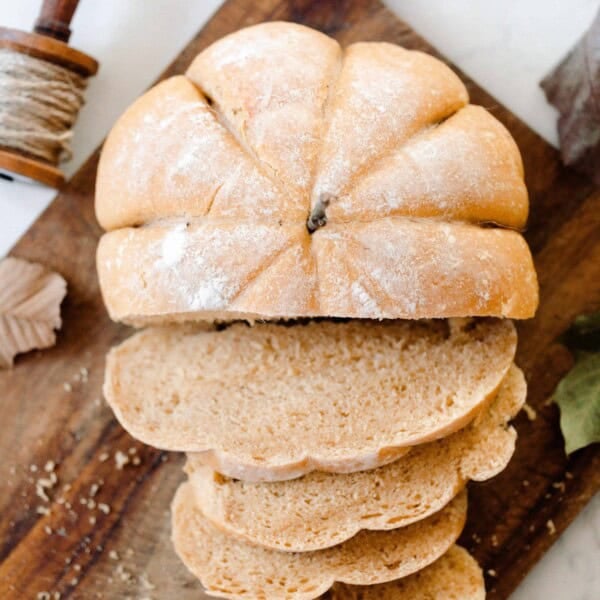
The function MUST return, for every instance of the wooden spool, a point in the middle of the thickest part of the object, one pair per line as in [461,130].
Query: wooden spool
[47,42]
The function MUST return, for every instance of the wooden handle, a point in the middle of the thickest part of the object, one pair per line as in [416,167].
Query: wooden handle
[55,17]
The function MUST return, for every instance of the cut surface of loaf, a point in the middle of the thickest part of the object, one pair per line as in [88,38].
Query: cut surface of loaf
[324,509]
[454,576]
[207,182]
[273,402]
[232,568]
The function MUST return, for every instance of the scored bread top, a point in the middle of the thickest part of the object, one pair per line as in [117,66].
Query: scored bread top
[232,568]
[454,576]
[390,268]
[207,182]
[272,402]
[323,509]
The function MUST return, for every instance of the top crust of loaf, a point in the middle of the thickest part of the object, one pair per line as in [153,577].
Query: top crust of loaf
[454,576]
[231,568]
[266,123]
[272,402]
[270,117]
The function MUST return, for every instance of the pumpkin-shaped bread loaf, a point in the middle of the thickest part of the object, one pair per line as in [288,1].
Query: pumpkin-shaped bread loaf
[284,176]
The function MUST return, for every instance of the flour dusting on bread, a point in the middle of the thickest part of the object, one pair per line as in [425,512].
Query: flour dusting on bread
[264,123]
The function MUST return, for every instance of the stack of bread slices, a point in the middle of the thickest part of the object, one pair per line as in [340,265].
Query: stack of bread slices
[344,224]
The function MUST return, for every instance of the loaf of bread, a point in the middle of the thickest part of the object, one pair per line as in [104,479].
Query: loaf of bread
[231,568]
[272,402]
[284,177]
[454,576]
[324,509]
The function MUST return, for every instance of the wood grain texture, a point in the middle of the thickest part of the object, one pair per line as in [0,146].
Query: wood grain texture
[42,420]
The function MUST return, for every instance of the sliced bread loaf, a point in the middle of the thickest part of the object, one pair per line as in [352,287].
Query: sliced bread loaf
[324,509]
[454,576]
[272,402]
[232,568]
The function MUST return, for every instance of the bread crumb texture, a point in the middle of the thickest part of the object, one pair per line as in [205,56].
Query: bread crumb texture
[207,182]
[231,568]
[273,402]
[324,509]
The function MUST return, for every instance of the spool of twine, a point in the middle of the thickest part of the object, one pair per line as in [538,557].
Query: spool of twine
[39,103]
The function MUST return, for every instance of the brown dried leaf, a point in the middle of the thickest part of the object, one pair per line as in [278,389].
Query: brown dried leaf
[574,88]
[30,298]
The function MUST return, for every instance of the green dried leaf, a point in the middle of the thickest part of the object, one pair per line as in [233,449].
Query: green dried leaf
[578,394]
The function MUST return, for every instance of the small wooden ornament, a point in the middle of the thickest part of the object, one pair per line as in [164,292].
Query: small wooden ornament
[48,42]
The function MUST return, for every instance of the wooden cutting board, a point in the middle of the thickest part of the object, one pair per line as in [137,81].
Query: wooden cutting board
[52,407]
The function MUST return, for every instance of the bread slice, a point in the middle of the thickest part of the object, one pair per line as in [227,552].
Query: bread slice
[231,568]
[454,576]
[273,402]
[324,509]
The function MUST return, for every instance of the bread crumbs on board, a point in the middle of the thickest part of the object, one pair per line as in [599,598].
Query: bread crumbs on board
[45,484]
[124,574]
[146,583]
[530,411]
[121,459]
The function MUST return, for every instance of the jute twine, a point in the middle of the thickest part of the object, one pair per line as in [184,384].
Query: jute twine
[39,102]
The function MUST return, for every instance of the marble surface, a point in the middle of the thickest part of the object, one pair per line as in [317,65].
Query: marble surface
[505,45]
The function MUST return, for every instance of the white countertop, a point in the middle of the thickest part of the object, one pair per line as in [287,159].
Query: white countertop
[505,45]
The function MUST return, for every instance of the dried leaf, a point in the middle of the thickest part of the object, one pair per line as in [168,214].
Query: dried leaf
[574,88]
[30,298]
[578,394]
